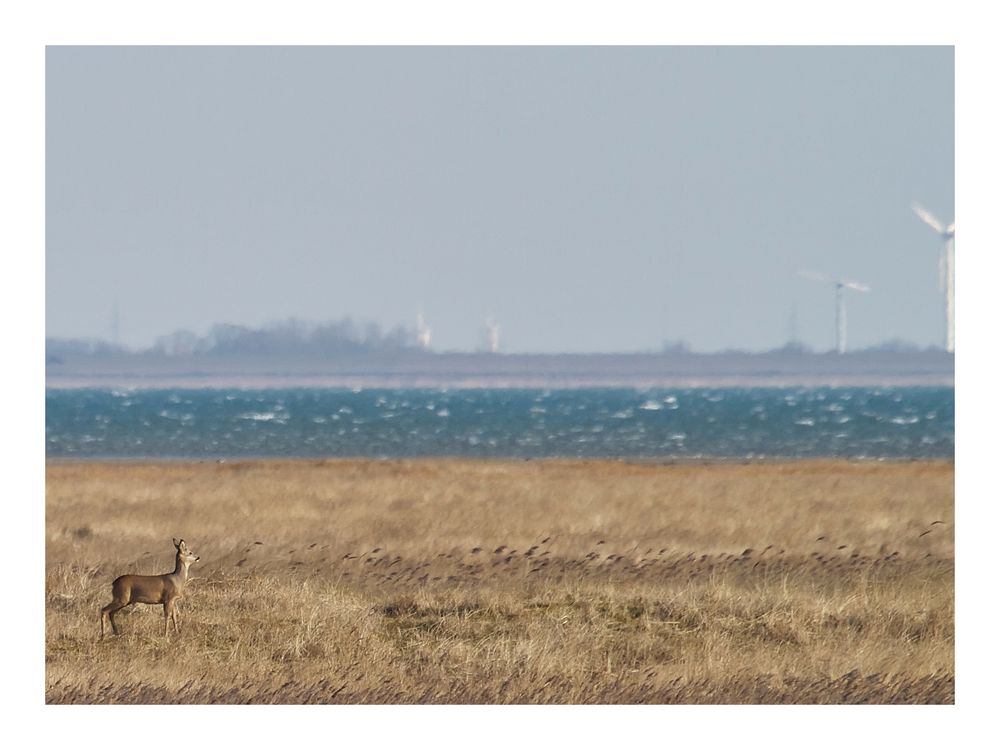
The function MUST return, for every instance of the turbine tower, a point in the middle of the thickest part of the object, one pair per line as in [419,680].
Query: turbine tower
[423,332]
[492,336]
[839,286]
[946,271]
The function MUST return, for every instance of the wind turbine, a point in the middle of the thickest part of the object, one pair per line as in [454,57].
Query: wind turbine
[839,286]
[946,270]
[492,336]
[423,332]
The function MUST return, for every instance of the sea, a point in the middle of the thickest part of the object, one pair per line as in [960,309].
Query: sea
[712,423]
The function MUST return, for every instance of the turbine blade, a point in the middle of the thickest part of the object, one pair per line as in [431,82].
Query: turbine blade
[941,261]
[856,286]
[951,229]
[928,218]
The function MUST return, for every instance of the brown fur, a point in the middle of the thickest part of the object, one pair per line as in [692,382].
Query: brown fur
[164,589]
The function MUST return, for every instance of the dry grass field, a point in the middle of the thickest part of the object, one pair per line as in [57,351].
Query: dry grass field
[448,581]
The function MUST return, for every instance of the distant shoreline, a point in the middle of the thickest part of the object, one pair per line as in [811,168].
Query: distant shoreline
[393,370]
[527,382]
[680,461]
[268,383]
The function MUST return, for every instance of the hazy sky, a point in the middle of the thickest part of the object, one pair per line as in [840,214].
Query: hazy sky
[588,199]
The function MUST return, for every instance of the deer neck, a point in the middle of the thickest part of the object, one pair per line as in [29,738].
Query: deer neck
[180,573]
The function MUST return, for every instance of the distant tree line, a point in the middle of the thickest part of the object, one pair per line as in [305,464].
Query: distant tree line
[287,338]
[290,337]
[896,345]
[56,350]
[343,337]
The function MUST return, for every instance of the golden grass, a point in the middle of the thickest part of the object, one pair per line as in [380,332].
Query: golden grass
[507,582]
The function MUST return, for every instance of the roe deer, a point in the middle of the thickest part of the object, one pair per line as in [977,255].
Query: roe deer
[165,589]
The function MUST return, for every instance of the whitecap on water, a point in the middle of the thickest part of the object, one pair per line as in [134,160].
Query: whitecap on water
[806,422]
[263,416]
[652,405]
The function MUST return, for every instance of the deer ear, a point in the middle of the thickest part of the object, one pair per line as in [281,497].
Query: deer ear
[178,544]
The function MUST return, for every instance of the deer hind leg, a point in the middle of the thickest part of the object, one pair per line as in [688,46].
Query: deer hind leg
[174,611]
[109,613]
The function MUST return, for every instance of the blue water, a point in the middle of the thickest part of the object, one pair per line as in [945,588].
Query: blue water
[663,423]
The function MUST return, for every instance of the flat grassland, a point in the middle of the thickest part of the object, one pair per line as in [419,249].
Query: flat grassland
[454,581]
